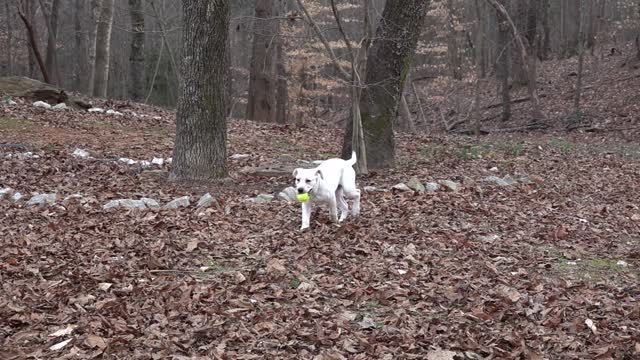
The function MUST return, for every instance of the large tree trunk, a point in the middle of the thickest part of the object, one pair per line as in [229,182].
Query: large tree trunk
[80,46]
[31,34]
[262,73]
[452,43]
[388,64]
[282,100]
[9,43]
[94,16]
[502,65]
[137,66]
[103,49]
[545,47]
[51,19]
[200,147]
[580,60]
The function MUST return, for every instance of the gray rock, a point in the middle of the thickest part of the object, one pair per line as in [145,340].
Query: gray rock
[132,204]
[370,189]
[157,161]
[96,110]
[401,187]
[317,162]
[16,197]
[80,153]
[431,187]
[69,198]
[9,102]
[60,106]
[509,180]
[178,203]
[524,179]
[262,198]
[416,185]
[239,156]
[150,203]
[42,104]
[288,194]
[125,203]
[496,180]
[113,112]
[5,192]
[451,185]
[42,199]
[205,200]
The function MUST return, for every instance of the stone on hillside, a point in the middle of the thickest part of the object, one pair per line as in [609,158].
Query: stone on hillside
[431,187]
[72,197]
[156,118]
[16,197]
[205,200]
[524,179]
[128,161]
[42,104]
[494,169]
[451,185]
[178,203]
[5,192]
[370,189]
[80,153]
[42,199]
[125,203]
[157,161]
[317,162]
[96,110]
[416,185]
[169,160]
[145,163]
[401,187]
[60,106]
[288,194]
[150,203]
[240,156]
[113,112]
[9,102]
[262,198]
[496,180]
[509,180]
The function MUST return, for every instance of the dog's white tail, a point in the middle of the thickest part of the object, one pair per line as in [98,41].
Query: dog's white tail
[353,159]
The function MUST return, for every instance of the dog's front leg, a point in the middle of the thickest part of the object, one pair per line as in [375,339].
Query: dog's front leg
[306,214]
[333,209]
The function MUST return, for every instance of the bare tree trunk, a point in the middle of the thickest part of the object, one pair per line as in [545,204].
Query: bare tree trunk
[31,34]
[518,9]
[581,11]
[103,49]
[96,5]
[137,64]
[520,41]
[262,73]
[452,43]
[9,45]
[282,96]
[502,65]
[79,63]
[51,20]
[388,64]
[200,151]
[545,47]
[406,121]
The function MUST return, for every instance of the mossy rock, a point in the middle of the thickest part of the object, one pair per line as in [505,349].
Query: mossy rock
[34,90]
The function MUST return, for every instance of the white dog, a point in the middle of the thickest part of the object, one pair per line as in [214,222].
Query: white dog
[330,182]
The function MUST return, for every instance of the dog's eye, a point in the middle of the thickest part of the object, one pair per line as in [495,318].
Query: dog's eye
[308,181]
[297,180]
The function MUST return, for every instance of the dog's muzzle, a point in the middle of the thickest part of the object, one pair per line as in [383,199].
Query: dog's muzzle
[301,191]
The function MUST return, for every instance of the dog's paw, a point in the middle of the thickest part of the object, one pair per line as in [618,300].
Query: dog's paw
[304,227]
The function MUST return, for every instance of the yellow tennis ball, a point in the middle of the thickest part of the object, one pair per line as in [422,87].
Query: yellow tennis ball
[303,197]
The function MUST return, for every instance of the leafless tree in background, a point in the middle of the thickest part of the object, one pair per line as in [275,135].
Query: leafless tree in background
[103,48]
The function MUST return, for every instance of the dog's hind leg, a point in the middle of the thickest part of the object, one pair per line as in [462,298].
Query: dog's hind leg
[342,204]
[333,209]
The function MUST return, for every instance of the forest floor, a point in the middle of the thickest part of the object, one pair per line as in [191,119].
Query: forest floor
[547,269]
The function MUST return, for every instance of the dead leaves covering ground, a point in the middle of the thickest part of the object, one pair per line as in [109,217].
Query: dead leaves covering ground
[523,272]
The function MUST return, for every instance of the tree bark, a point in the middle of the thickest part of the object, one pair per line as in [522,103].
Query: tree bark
[502,65]
[388,64]
[103,49]
[9,44]
[282,96]
[51,20]
[520,41]
[580,60]
[94,16]
[79,63]
[545,48]
[136,60]
[262,73]
[200,147]
[452,43]
[31,34]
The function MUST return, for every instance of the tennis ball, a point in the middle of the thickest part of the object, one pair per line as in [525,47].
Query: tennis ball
[303,197]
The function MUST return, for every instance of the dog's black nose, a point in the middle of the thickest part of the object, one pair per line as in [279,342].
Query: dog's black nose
[300,191]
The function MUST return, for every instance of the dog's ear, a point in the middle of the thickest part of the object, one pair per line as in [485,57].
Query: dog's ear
[295,172]
[319,173]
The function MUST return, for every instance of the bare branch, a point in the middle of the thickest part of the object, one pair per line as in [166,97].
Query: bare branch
[344,73]
[344,34]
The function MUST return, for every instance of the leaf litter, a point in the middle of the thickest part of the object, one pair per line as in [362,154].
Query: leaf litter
[481,272]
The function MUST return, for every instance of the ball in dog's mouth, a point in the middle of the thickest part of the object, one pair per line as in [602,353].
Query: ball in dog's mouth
[303,197]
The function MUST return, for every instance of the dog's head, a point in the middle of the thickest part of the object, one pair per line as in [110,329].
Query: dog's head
[306,179]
